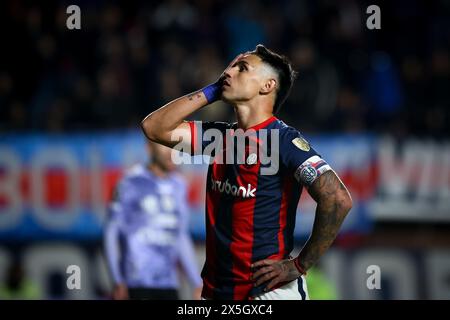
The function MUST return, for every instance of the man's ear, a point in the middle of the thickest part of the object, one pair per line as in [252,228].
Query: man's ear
[268,86]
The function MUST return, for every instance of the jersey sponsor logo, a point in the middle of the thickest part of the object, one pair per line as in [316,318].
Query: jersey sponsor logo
[237,191]
[301,143]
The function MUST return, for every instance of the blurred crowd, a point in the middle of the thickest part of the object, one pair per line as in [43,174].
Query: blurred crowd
[129,58]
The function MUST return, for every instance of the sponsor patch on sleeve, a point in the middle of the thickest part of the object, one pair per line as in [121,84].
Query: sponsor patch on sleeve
[310,170]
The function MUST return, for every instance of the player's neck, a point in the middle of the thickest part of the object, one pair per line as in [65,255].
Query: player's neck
[157,170]
[248,117]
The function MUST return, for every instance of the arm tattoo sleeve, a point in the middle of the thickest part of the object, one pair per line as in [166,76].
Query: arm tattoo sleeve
[333,204]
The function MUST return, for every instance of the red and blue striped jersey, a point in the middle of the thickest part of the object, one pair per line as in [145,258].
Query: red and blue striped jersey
[250,215]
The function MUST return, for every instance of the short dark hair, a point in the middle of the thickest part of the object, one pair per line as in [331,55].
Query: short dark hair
[283,67]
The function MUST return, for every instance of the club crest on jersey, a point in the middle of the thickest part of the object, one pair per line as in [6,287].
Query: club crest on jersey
[251,159]
[301,143]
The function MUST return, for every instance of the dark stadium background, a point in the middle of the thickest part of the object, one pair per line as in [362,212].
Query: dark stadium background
[374,102]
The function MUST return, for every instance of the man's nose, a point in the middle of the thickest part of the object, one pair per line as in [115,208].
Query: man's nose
[227,73]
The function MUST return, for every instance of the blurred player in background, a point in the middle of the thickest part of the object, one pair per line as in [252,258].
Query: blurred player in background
[250,217]
[147,235]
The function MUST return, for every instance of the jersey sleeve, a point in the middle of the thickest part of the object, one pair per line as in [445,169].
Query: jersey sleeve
[122,202]
[112,229]
[186,251]
[204,134]
[301,158]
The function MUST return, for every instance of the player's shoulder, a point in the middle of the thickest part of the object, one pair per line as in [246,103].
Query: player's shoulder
[292,141]
[289,134]
[132,174]
[136,170]
[126,183]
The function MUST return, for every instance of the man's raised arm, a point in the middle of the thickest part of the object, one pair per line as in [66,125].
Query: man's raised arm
[159,126]
[167,125]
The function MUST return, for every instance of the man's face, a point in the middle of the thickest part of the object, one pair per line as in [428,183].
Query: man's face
[161,156]
[245,79]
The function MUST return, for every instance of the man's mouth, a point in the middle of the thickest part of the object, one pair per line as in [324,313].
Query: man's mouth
[225,83]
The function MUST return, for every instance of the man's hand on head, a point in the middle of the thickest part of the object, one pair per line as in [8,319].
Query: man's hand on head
[213,91]
[239,56]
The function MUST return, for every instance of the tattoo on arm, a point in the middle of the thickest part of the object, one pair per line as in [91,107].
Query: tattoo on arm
[194,95]
[333,204]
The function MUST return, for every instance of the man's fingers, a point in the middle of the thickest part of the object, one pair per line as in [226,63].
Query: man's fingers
[268,276]
[235,59]
[273,283]
[239,56]
[231,64]
[261,263]
[261,271]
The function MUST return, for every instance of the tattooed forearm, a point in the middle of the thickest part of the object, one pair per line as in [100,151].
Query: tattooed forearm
[333,204]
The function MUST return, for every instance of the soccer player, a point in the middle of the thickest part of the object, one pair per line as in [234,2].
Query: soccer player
[250,216]
[146,235]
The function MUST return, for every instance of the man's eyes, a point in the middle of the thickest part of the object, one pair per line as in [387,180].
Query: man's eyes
[242,67]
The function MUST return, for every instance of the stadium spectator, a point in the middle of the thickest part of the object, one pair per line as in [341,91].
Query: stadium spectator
[126,53]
